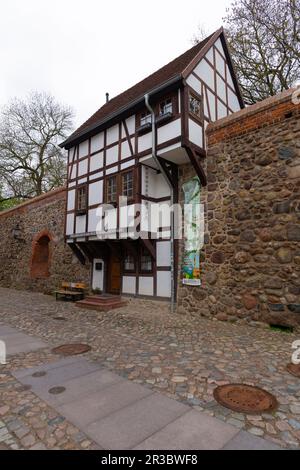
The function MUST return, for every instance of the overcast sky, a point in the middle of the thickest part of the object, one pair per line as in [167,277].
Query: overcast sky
[79,49]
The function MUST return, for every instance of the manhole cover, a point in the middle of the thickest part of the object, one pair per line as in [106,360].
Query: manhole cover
[294,369]
[245,398]
[60,318]
[39,374]
[71,349]
[56,390]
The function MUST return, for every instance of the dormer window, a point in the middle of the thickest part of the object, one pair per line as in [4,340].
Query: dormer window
[166,107]
[146,119]
[195,106]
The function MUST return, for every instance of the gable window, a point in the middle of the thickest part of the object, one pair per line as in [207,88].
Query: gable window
[195,106]
[166,107]
[145,118]
[81,205]
[127,184]
[111,189]
[146,261]
[129,263]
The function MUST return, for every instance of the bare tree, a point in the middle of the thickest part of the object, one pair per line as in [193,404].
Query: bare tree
[264,40]
[264,37]
[31,161]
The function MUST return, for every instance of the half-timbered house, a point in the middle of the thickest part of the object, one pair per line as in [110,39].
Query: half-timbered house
[132,147]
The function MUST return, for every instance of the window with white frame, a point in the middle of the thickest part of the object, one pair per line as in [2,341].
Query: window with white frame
[195,106]
[111,189]
[166,107]
[146,118]
[127,184]
[129,262]
[146,261]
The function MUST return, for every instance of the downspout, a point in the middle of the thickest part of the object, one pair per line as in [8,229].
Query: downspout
[154,156]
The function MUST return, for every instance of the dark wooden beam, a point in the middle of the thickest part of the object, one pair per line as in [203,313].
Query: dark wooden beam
[131,247]
[149,246]
[195,161]
[169,170]
[85,249]
[77,252]
[115,248]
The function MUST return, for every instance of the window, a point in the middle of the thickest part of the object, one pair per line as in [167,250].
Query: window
[129,262]
[111,191]
[166,107]
[82,198]
[146,118]
[195,106]
[146,261]
[127,184]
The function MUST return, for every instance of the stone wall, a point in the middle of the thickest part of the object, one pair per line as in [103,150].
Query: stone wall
[251,259]
[25,261]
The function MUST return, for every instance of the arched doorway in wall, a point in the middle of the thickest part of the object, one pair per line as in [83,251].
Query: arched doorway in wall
[41,254]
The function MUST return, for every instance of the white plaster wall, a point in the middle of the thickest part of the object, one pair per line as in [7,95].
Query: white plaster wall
[221,88]
[194,83]
[96,162]
[195,133]
[80,224]
[205,71]
[83,167]
[97,142]
[163,284]
[222,111]
[212,105]
[130,126]
[96,193]
[129,285]
[163,254]
[112,134]
[112,170]
[74,171]
[146,285]
[94,219]
[145,142]
[169,131]
[70,224]
[127,164]
[99,174]
[112,155]
[220,64]
[233,101]
[125,150]
[71,200]
[84,149]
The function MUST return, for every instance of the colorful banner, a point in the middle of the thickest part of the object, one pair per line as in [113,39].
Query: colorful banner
[192,233]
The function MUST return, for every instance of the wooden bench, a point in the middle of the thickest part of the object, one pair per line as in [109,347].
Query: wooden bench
[71,291]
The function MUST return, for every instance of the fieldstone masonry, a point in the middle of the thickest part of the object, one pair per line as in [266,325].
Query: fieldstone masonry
[251,259]
[27,260]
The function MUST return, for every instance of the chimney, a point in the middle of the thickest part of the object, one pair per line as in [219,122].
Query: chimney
[107,97]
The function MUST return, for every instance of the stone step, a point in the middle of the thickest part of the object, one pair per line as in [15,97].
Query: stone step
[101,305]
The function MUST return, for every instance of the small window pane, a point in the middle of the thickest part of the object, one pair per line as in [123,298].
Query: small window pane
[127,185]
[81,199]
[129,264]
[146,261]
[145,118]
[166,107]
[195,106]
[112,189]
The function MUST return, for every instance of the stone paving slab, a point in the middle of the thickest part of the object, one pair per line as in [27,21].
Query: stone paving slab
[86,410]
[58,375]
[19,373]
[245,441]
[17,342]
[192,431]
[127,427]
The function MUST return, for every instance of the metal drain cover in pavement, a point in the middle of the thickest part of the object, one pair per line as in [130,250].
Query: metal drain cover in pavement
[294,369]
[56,390]
[71,349]
[245,398]
[41,373]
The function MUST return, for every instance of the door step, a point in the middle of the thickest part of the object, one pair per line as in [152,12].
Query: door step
[102,303]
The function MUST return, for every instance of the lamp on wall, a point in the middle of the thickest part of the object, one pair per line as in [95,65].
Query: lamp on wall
[17,232]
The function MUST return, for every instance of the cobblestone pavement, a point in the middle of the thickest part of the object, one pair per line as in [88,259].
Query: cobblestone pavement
[183,357]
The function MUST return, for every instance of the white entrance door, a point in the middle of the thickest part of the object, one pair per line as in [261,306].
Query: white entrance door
[98,274]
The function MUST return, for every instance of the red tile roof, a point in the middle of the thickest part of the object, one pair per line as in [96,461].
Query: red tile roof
[164,74]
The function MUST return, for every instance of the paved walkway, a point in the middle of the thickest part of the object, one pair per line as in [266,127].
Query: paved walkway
[181,357]
[119,414]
